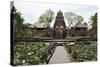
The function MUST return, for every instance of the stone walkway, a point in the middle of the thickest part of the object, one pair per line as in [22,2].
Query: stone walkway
[59,56]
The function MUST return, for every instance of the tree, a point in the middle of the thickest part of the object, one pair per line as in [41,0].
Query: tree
[16,16]
[94,26]
[27,24]
[72,19]
[17,21]
[79,18]
[94,20]
[42,19]
[47,17]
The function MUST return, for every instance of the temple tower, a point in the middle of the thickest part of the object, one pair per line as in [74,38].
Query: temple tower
[59,26]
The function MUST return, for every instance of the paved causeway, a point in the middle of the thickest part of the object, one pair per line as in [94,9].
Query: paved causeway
[59,56]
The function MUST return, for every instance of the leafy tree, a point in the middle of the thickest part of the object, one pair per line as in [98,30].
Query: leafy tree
[94,26]
[27,24]
[16,16]
[72,19]
[20,29]
[47,16]
[27,30]
[42,19]
[94,20]
[79,18]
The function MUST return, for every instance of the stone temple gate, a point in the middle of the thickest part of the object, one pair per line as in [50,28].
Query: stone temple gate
[59,26]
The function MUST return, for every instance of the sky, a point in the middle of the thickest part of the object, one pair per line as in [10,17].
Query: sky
[32,10]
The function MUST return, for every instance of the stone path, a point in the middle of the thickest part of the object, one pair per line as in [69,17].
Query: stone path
[59,56]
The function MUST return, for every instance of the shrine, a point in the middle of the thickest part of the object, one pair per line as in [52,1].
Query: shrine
[59,26]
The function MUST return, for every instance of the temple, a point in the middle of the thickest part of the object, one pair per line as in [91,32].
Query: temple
[59,30]
[59,26]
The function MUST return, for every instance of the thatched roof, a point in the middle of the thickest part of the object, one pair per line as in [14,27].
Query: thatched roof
[39,25]
[82,25]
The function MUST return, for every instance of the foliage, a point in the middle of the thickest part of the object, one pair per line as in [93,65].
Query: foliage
[73,18]
[28,53]
[27,24]
[94,20]
[46,17]
[16,16]
[93,30]
[79,18]
[70,17]
[19,29]
[81,52]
